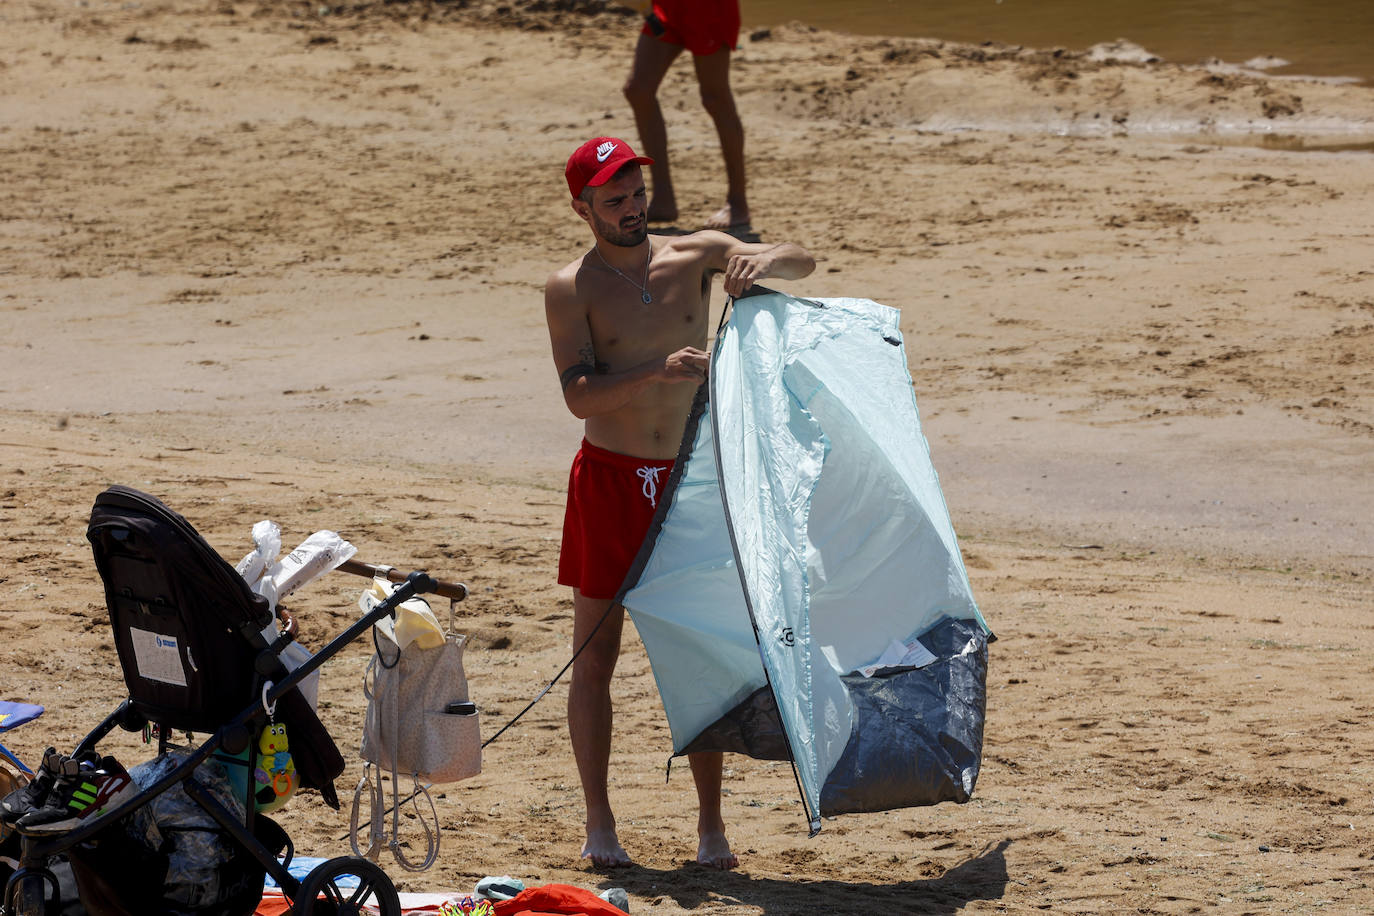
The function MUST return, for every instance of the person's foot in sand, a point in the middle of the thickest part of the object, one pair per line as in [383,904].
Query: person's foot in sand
[730,216]
[604,849]
[713,850]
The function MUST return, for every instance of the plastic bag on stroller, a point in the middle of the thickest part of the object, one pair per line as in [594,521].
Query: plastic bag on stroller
[170,857]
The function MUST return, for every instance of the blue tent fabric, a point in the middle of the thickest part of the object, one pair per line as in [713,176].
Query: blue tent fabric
[802,595]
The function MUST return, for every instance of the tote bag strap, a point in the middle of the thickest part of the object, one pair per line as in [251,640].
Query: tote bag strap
[376,820]
[393,710]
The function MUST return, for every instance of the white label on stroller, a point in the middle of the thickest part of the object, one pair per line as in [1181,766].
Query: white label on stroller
[158,657]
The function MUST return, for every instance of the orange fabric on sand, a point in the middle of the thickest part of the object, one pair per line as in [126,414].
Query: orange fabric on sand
[556,900]
[273,905]
[550,900]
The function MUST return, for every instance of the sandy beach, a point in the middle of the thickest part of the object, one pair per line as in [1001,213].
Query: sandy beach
[286,260]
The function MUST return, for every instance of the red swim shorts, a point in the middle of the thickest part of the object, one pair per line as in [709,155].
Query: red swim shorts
[701,26]
[611,501]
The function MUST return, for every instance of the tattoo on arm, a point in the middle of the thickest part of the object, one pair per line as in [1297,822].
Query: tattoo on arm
[575,372]
[586,365]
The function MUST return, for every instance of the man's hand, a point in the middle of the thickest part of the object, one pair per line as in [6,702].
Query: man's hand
[743,269]
[742,263]
[686,365]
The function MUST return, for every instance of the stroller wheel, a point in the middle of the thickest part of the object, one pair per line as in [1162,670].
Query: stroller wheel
[347,884]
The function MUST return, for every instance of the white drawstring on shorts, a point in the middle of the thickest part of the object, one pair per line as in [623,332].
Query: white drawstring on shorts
[650,477]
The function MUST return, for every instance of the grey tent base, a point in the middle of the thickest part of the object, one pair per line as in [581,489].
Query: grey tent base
[924,740]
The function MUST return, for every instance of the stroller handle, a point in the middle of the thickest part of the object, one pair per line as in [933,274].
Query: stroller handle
[454,591]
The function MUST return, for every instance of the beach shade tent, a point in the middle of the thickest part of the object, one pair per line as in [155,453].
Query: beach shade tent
[801,593]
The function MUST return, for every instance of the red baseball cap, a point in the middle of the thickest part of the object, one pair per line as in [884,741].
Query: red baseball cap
[593,163]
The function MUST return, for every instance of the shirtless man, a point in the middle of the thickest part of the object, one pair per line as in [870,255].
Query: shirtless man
[628,323]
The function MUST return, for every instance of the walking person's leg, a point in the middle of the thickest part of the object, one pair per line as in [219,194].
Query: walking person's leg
[713,76]
[651,62]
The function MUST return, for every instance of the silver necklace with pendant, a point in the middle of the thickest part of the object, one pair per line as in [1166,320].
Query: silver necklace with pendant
[644,294]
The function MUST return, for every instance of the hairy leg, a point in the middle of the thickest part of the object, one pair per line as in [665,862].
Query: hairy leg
[713,849]
[589,720]
[651,62]
[713,76]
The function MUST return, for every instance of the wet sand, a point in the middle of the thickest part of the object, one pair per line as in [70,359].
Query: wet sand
[263,263]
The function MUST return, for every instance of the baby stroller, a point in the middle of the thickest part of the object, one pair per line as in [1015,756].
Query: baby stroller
[189,635]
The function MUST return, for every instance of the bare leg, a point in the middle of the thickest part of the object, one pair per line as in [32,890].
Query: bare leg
[713,76]
[651,62]
[589,721]
[713,849]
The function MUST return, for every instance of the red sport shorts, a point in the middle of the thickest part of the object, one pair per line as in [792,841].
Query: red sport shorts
[611,501]
[701,26]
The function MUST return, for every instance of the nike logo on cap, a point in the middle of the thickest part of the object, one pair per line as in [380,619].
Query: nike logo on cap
[603,152]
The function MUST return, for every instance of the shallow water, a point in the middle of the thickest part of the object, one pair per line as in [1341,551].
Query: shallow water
[1328,38]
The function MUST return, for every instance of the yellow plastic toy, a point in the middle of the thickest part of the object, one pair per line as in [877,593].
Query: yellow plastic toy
[276,771]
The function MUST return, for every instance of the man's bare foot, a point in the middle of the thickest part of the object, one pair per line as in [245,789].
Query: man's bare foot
[730,216]
[604,849]
[662,211]
[714,851]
